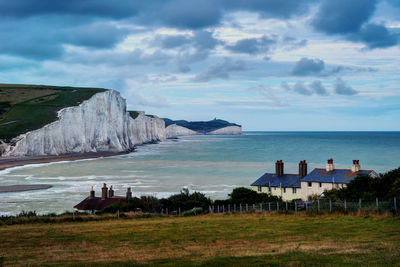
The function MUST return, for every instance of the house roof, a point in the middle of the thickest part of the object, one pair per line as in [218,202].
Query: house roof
[98,203]
[337,175]
[271,179]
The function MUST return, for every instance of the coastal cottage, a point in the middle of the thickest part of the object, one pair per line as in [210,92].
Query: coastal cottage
[93,203]
[281,184]
[303,185]
[321,179]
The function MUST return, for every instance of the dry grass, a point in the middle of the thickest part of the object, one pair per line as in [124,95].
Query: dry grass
[205,240]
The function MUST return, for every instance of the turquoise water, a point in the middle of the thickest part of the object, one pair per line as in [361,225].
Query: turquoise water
[213,165]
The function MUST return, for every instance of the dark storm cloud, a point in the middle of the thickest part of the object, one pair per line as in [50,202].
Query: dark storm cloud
[308,66]
[220,70]
[343,16]
[341,88]
[253,46]
[376,36]
[43,38]
[350,18]
[98,8]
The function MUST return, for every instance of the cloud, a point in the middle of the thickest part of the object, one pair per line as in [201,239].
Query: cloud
[376,36]
[252,46]
[350,18]
[267,93]
[343,16]
[299,87]
[308,66]
[220,70]
[116,58]
[318,88]
[341,88]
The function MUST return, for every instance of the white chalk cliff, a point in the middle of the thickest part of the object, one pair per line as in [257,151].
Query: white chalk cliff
[100,123]
[229,130]
[173,131]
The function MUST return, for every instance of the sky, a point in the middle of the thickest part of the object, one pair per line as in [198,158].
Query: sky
[269,65]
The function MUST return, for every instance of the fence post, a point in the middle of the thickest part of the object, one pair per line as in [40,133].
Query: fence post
[286,206]
[395,204]
[223,208]
[118,214]
[377,205]
[319,208]
[254,207]
[306,206]
[247,207]
[330,205]
[234,207]
[261,207]
[217,208]
[209,209]
[295,207]
[277,206]
[359,204]
[179,212]
[166,211]
[240,207]
[229,207]
[269,206]
[345,206]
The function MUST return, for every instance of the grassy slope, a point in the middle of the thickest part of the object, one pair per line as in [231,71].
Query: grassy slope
[245,239]
[25,108]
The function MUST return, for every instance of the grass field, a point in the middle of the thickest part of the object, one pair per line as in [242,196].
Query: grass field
[209,240]
[29,107]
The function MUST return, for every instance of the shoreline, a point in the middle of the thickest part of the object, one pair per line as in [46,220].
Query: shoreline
[9,162]
[23,188]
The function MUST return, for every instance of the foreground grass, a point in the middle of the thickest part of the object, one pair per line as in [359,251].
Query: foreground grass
[209,240]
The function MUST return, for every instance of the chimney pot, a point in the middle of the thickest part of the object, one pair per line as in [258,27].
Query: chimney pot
[356,166]
[111,192]
[104,191]
[302,168]
[329,165]
[92,193]
[128,193]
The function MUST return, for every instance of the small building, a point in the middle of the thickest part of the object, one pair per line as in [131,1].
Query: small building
[93,203]
[321,179]
[304,185]
[286,186]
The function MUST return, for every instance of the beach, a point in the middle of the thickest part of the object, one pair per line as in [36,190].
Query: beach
[9,162]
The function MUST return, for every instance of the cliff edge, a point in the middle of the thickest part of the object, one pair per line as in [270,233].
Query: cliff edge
[100,123]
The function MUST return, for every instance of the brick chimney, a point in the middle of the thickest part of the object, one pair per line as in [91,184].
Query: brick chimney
[92,193]
[128,193]
[279,168]
[302,168]
[104,192]
[110,192]
[329,165]
[356,166]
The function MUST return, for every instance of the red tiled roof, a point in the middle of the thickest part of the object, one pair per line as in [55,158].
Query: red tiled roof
[97,203]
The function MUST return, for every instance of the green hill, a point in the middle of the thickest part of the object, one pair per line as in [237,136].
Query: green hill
[201,126]
[25,108]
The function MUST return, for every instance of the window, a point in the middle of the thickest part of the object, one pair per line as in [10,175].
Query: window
[320,184]
[284,190]
[259,189]
[269,189]
[294,190]
[309,184]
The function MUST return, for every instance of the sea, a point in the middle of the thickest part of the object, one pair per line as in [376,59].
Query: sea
[213,165]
